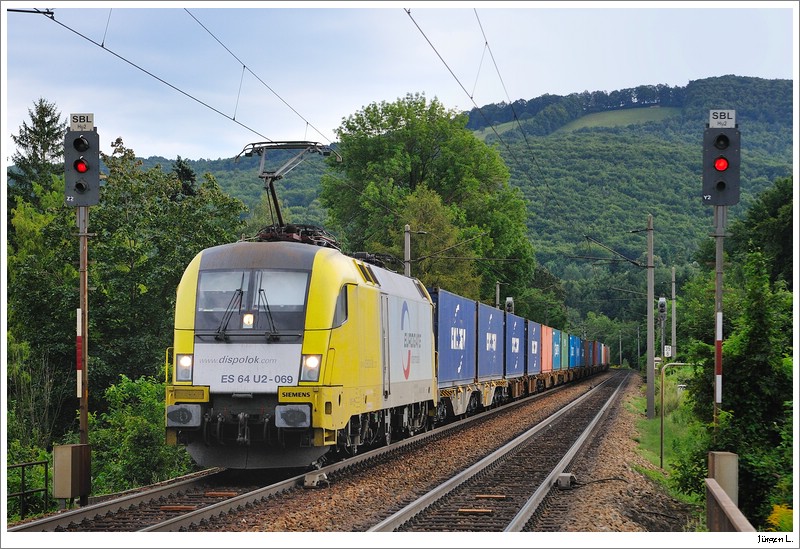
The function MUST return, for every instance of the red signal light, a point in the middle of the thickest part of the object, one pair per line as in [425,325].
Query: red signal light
[721,164]
[81,165]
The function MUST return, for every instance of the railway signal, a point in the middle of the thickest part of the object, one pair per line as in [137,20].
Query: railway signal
[721,162]
[82,168]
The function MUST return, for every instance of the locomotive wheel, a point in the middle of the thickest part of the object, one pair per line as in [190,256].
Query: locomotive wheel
[387,434]
[387,427]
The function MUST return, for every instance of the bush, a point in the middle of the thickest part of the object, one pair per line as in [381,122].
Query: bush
[128,447]
[34,479]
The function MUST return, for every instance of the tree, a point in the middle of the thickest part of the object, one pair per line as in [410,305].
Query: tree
[756,404]
[392,149]
[42,289]
[40,147]
[186,176]
[757,388]
[147,232]
[128,447]
[767,226]
[435,240]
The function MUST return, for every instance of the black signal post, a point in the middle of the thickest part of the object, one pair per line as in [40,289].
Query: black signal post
[721,163]
[81,190]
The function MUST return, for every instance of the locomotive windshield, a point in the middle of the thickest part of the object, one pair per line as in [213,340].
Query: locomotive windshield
[248,301]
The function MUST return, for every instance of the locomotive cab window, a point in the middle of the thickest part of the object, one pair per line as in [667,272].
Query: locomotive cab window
[218,291]
[270,301]
[340,312]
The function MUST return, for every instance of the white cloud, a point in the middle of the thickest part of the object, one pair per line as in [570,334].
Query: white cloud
[314,66]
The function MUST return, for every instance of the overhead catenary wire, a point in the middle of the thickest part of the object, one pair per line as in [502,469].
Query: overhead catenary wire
[245,67]
[51,16]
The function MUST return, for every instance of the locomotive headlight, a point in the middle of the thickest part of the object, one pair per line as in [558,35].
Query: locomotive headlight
[247,320]
[183,367]
[309,367]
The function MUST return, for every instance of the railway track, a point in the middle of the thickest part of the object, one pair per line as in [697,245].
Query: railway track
[216,503]
[503,491]
[142,510]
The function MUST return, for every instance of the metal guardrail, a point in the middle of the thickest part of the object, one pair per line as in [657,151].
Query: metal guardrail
[722,515]
[24,492]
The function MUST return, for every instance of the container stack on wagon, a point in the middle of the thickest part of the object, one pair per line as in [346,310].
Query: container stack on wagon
[487,355]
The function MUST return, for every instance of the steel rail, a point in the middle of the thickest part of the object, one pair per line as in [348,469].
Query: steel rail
[404,515]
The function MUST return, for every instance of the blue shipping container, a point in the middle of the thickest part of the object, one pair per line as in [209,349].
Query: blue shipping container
[515,346]
[490,342]
[574,351]
[534,348]
[454,327]
[556,349]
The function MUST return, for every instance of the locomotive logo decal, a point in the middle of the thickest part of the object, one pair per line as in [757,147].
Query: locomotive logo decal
[411,340]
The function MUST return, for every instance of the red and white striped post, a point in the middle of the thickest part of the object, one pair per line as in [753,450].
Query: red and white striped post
[79,355]
[718,366]
[720,215]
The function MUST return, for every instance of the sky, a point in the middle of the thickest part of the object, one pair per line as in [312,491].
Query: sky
[192,80]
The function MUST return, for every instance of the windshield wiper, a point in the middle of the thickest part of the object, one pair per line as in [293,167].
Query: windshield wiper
[235,302]
[263,294]
[273,330]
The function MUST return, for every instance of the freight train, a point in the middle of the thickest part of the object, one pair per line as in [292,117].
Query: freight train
[287,351]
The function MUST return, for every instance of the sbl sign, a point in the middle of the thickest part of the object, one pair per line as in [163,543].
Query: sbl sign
[722,119]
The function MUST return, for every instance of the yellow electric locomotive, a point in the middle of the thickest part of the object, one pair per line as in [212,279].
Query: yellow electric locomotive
[284,351]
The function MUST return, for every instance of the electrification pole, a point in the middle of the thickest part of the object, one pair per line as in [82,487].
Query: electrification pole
[650,321]
[674,325]
[407,251]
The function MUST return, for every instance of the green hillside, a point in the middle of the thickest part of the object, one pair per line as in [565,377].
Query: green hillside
[597,174]
[624,117]
[610,119]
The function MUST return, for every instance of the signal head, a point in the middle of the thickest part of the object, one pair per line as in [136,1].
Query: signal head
[82,168]
[721,163]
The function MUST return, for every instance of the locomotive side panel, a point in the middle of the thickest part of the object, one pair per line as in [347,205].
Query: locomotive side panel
[411,370]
